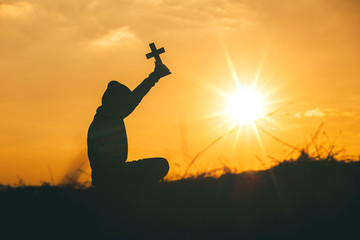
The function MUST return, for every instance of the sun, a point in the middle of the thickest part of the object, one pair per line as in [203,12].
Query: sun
[245,106]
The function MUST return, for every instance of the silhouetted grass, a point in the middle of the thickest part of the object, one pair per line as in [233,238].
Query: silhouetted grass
[302,198]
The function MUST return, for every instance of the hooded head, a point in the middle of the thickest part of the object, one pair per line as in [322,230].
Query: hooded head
[116,95]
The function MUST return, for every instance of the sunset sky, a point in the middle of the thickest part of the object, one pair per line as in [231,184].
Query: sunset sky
[56,58]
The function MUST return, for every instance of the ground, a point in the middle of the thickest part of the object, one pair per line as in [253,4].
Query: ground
[300,199]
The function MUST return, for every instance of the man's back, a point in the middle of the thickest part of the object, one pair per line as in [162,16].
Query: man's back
[107,144]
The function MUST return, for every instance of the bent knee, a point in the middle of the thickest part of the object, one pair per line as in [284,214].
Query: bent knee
[163,166]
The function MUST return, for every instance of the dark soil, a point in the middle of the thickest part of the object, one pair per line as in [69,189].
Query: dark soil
[303,199]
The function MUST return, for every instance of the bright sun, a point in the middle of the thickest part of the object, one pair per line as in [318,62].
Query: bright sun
[245,106]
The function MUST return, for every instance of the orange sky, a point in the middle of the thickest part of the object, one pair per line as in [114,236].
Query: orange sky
[58,56]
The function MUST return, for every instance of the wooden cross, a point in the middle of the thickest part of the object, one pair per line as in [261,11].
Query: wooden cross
[155,53]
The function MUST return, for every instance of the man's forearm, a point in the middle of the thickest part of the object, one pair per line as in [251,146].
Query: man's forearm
[140,91]
[144,87]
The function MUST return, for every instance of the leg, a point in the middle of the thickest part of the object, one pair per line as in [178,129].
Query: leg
[146,170]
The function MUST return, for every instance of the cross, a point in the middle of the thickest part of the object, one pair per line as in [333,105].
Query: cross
[155,53]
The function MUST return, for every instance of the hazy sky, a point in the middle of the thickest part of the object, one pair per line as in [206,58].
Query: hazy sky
[56,58]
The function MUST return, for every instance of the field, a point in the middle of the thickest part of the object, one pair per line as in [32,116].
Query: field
[296,199]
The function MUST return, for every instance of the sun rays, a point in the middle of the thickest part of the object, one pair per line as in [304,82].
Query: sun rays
[243,110]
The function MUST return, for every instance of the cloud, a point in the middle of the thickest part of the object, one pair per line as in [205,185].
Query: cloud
[316,112]
[15,10]
[117,37]
[326,112]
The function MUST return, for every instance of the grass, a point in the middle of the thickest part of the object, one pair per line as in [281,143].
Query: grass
[302,198]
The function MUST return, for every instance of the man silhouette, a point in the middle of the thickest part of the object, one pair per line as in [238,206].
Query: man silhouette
[107,140]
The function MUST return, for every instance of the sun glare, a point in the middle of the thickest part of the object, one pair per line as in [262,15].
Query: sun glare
[245,106]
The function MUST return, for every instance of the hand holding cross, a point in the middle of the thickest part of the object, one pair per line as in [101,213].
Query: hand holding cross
[160,69]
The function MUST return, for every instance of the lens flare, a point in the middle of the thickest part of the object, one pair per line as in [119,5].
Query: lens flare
[245,106]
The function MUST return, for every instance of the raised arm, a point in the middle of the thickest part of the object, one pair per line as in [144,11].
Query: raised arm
[144,87]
